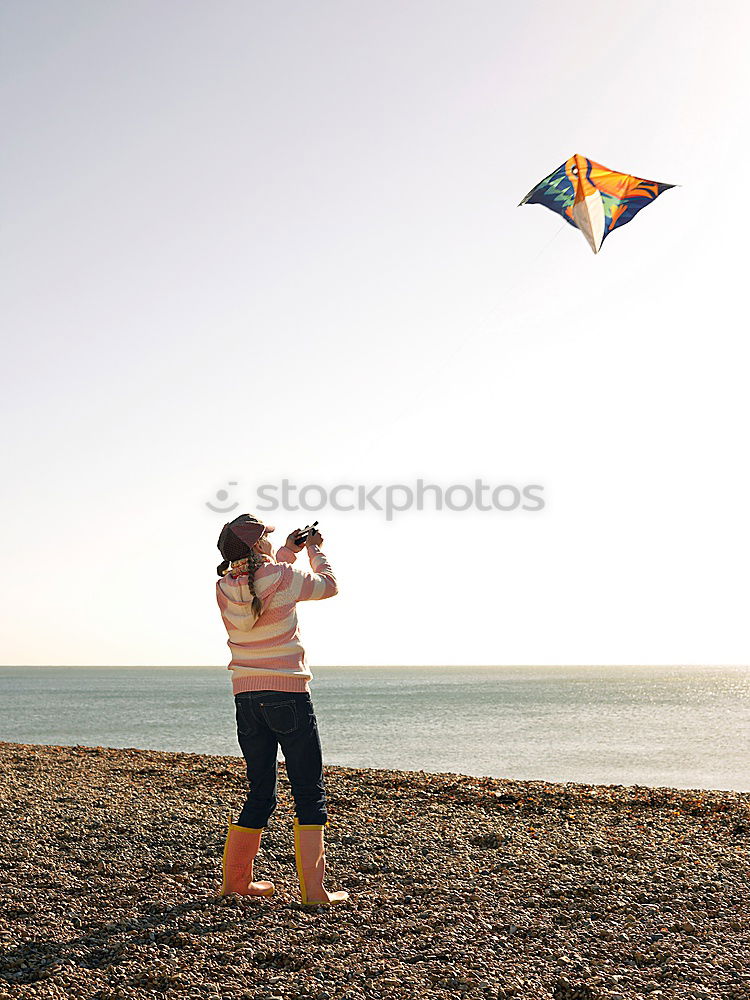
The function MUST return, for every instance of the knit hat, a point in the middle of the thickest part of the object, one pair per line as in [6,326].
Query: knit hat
[238,537]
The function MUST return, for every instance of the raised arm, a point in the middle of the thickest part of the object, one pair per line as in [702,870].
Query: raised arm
[317,583]
[288,551]
[286,555]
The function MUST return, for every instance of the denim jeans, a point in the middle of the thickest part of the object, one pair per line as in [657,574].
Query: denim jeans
[266,720]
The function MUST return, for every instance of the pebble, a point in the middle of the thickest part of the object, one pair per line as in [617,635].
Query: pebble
[483,887]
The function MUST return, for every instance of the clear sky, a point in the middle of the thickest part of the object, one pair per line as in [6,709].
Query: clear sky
[251,241]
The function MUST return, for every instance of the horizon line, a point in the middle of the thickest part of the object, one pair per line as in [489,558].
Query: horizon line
[357,666]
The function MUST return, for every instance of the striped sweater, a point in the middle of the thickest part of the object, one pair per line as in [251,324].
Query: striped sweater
[266,652]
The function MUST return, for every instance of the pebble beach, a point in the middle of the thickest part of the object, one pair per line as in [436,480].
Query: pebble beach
[459,886]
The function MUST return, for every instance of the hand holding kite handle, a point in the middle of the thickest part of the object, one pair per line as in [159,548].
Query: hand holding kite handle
[305,537]
[292,543]
[314,538]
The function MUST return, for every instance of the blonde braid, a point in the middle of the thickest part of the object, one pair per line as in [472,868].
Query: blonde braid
[248,566]
[256,562]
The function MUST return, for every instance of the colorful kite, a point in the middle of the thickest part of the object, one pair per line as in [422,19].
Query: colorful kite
[592,198]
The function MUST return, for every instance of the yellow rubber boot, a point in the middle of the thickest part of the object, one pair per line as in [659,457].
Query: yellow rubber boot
[240,849]
[309,850]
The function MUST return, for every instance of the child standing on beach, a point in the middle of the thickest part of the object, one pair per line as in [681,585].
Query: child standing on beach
[257,594]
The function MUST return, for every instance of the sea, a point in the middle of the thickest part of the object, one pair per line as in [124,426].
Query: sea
[684,727]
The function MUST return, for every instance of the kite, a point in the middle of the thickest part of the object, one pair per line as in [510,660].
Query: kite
[592,198]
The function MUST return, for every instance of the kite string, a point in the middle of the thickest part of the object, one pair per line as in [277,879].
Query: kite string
[524,271]
[547,245]
[427,377]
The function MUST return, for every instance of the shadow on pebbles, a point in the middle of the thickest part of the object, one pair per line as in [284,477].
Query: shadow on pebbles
[459,886]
